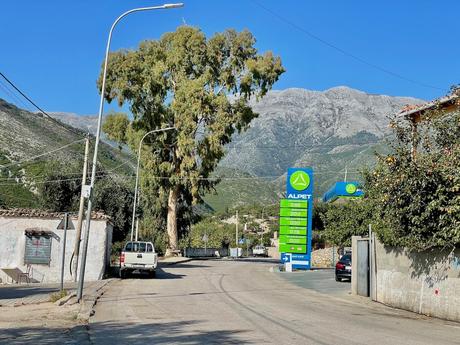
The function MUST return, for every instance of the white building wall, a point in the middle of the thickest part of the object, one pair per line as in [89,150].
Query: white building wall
[13,240]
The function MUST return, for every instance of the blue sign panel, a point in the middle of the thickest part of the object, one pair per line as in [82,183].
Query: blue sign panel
[343,190]
[300,261]
[299,186]
[285,257]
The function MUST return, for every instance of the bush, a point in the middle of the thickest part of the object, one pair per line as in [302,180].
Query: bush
[416,202]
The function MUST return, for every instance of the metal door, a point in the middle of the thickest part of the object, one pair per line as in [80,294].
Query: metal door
[363,267]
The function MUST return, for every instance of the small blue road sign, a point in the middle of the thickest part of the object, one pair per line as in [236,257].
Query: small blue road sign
[286,257]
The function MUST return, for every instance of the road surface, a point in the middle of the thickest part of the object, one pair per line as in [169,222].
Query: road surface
[229,302]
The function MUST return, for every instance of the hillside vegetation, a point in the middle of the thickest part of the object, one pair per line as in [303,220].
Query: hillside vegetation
[25,135]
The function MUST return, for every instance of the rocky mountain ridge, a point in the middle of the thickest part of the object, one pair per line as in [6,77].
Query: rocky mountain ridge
[333,131]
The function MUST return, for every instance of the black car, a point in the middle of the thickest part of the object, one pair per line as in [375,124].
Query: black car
[343,268]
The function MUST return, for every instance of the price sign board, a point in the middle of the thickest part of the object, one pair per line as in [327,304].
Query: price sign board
[296,217]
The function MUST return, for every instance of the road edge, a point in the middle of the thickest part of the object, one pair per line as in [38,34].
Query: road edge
[90,299]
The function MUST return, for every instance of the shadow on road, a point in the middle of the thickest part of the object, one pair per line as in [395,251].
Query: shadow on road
[180,265]
[159,274]
[162,274]
[24,291]
[178,332]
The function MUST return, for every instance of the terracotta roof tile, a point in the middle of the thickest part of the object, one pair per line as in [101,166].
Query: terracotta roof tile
[34,213]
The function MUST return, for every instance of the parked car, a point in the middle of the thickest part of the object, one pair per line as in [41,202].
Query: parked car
[343,268]
[138,256]
[259,251]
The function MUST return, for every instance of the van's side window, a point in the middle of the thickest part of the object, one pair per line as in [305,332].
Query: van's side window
[149,248]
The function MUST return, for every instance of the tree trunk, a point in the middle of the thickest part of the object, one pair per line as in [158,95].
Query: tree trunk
[171,224]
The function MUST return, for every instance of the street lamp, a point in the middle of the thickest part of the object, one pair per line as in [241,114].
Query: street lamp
[89,189]
[136,192]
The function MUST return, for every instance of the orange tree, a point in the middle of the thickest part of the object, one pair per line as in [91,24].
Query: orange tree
[415,202]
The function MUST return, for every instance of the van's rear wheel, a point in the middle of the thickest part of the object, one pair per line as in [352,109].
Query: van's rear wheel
[152,274]
[122,274]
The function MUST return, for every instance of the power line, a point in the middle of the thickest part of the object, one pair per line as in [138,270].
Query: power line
[107,173]
[344,52]
[41,155]
[9,92]
[71,129]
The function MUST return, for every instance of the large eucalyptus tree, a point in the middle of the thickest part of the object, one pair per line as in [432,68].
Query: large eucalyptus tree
[200,86]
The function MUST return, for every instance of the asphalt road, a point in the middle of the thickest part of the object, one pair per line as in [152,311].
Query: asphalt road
[228,302]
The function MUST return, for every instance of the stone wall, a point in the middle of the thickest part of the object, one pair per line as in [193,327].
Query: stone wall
[322,258]
[426,283]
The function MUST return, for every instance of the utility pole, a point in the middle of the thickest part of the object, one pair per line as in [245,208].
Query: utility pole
[137,228]
[64,240]
[236,234]
[346,173]
[90,188]
[76,250]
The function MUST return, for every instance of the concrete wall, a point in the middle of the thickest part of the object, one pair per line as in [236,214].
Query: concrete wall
[426,283]
[202,252]
[12,247]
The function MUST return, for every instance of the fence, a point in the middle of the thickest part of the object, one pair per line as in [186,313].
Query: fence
[203,253]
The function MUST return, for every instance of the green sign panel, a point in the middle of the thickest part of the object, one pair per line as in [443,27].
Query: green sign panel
[299,180]
[293,239]
[293,221]
[286,203]
[293,212]
[351,188]
[293,248]
[292,230]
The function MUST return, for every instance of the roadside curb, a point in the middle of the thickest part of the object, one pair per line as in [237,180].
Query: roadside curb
[90,301]
[65,299]
[170,263]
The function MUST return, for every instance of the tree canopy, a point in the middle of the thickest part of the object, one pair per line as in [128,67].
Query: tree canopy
[416,200]
[200,86]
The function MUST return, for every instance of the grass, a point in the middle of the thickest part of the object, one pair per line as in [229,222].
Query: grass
[54,297]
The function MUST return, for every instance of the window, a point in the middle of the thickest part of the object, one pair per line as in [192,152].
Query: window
[346,258]
[38,249]
[136,247]
[141,247]
[129,247]
[149,248]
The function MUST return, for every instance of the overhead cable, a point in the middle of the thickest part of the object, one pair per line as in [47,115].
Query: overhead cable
[343,51]
[69,128]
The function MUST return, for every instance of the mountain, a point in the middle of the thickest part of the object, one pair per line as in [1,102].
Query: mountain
[330,130]
[238,188]
[333,131]
[87,123]
[35,140]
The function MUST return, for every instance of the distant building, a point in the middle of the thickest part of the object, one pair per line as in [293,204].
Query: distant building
[30,243]
[416,114]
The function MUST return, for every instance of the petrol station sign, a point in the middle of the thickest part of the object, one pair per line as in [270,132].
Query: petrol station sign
[296,218]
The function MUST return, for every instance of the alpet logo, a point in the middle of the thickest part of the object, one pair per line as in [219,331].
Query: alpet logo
[299,180]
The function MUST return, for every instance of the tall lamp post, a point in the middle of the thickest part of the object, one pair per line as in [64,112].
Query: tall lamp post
[89,189]
[136,189]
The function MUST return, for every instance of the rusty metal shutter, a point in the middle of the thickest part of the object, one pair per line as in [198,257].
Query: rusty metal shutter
[38,249]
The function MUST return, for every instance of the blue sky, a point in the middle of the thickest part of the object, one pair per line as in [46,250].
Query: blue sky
[53,49]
